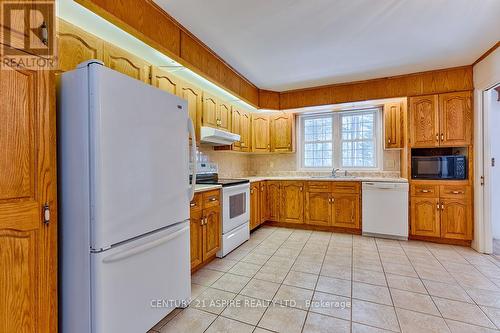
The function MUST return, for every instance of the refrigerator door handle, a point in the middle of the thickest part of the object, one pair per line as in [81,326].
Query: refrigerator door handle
[193,158]
[144,247]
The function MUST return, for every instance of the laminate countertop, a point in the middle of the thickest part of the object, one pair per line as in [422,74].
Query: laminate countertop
[337,179]
[206,187]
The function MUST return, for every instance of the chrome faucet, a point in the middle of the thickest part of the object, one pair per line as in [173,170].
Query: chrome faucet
[334,172]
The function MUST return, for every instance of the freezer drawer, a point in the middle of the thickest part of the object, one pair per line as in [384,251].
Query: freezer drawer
[136,284]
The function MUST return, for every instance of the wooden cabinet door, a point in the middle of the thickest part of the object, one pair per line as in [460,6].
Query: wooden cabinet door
[424,121]
[260,133]
[456,219]
[245,132]
[196,239]
[281,132]
[393,126]
[165,81]
[28,246]
[292,202]
[224,116]
[210,109]
[455,118]
[236,127]
[211,232]
[264,207]
[317,208]
[76,46]
[345,210]
[126,63]
[254,205]
[193,95]
[274,200]
[424,216]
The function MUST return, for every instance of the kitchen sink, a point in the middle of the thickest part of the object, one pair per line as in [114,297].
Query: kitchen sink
[332,177]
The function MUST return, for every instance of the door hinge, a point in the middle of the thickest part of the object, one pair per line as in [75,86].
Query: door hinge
[46,213]
[492,161]
[482,180]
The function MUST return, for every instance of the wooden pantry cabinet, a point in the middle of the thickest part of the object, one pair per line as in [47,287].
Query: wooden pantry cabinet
[443,120]
[205,227]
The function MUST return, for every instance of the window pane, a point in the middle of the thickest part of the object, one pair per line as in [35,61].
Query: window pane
[318,142]
[358,139]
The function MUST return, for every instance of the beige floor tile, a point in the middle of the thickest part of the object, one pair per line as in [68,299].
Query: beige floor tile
[485,297]
[459,327]
[231,282]
[405,283]
[399,269]
[414,322]
[434,274]
[271,273]
[190,320]
[261,330]
[246,309]
[378,315]
[222,265]
[306,267]
[493,314]
[212,300]
[245,269]
[316,323]
[331,305]
[414,301]
[465,312]
[196,290]
[287,252]
[225,325]
[256,258]
[260,289]
[474,279]
[334,286]
[444,290]
[283,319]
[293,297]
[337,271]
[372,293]
[360,328]
[370,277]
[206,276]
[300,279]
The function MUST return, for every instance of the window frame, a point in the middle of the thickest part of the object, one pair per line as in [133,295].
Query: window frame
[336,139]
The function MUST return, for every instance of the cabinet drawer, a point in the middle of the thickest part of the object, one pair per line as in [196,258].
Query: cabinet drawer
[454,191]
[211,199]
[196,204]
[345,187]
[318,186]
[424,190]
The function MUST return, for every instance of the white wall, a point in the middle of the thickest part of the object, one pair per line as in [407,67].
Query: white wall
[494,122]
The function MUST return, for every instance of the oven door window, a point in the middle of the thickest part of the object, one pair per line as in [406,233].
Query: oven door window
[237,205]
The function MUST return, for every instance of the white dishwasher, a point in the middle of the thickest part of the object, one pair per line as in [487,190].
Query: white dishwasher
[385,210]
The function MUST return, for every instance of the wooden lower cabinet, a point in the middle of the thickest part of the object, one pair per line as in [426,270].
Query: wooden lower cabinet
[273,200]
[345,211]
[292,202]
[425,219]
[205,227]
[317,208]
[456,219]
[254,205]
[264,208]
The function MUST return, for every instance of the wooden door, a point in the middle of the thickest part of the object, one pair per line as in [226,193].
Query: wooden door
[245,132]
[456,219]
[264,207]
[393,126]
[211,231]
[274,200]
[292,202]
[236,127]
[455,118]
[28,246]
[126,63]
[210,107]
[424,216]
[193,95]
[224,116]
[345,210]
[260,133]
[166,81]
[254,205]
[281,132]
[424,121]
[317,208]
[196,238]
[76,46]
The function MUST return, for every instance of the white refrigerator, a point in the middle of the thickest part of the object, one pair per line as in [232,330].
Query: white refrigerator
[124,196]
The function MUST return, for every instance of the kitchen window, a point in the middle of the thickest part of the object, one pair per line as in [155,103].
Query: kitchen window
[342,139]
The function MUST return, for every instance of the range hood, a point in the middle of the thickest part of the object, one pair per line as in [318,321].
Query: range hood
[217,137]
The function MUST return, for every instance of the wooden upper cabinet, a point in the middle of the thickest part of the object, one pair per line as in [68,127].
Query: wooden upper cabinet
[210,109]
[236,126]
[455,118]
[126,63]
[193,95]
[28,257]
[165,81]
[273,200]
[260,133]
[281,132]
[245,131]
[76,46]
[211,231]
[292,201]
[264,206]
[393,126]
[424,121]
[345,210]
[456,219]
[425,217]
[254,205]
[224,116]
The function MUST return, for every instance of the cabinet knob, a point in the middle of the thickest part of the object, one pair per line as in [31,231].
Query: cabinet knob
[212,199]
[437,206]
[457,192]
[442,137]
[442,206]
[389,141]
[425,191]
[437,137]
[192,204]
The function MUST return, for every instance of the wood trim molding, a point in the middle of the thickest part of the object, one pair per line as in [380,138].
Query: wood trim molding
[487,53]
[269,99]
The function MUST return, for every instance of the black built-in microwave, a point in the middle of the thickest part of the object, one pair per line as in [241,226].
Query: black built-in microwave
[439,167]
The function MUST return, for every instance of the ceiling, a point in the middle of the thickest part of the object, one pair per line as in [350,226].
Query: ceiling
[289,44]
